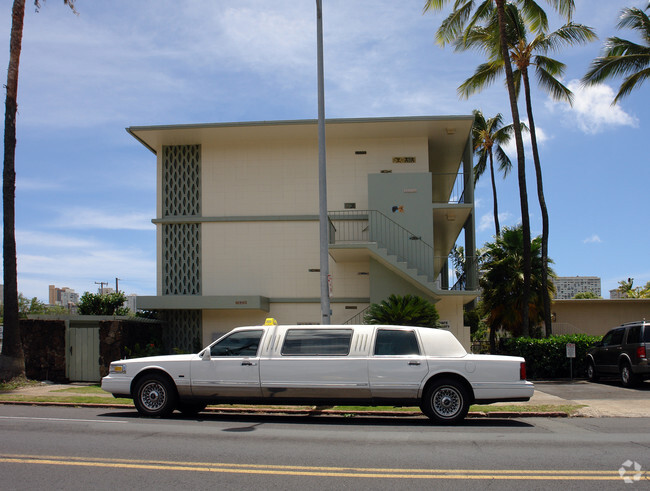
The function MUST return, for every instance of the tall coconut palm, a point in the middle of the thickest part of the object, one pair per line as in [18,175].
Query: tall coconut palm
[454,25]
[488,139]
[623,57]
[502,281]
[12,360]
[525,52]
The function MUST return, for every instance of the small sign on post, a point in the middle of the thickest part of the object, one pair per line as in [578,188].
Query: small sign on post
[571,354]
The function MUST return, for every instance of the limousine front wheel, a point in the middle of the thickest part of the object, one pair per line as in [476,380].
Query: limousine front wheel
[446,401]
[154,396]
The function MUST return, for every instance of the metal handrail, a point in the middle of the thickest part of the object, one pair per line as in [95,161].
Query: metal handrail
[362,226]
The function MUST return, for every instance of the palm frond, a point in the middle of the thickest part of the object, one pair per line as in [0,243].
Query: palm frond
[534,15]
[631,82]
[452,27]
[636,19]
[553,67]
[484,75]
[480,166]
[556,89]
[567,35]
[505,164]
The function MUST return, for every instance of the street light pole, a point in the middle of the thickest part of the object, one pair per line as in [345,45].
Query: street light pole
[322,176]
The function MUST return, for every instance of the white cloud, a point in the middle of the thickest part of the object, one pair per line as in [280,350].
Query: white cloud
[87,218]
[592,111]
[487,220]
[511,147]
[594,239]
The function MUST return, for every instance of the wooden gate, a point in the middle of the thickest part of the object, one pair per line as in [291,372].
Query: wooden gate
[82,345]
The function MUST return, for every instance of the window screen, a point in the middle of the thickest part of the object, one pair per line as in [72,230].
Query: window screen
[242,343]
[396,343]
[317,342]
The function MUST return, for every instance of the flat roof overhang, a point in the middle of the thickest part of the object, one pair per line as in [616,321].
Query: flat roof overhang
[447,130]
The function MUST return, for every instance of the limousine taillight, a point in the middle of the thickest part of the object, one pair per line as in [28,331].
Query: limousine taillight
[522,371]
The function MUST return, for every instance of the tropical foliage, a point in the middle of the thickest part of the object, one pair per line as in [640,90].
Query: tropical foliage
[108,304]
[407,310]
[586,296]
[464,16]
[502,279]
[628,290]
[622,57]
[488,138]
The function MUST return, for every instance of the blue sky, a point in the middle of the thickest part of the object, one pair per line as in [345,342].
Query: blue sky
[86,189]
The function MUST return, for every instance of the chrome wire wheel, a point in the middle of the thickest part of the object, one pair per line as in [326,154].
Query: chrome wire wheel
[447,402]
[153,395]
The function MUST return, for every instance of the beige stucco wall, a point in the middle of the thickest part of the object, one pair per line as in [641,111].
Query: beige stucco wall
[281,176]
[272,259]
[596,317]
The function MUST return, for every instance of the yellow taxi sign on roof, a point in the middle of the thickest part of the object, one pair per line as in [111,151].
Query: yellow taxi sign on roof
[270,321]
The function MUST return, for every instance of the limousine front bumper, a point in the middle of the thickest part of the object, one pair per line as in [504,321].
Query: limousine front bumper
[488,392]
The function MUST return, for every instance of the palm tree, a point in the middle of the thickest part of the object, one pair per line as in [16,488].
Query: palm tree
[488,138]
[623,57]
[12,360]
[502,282]
[407,310]
[451,29]
[523,54]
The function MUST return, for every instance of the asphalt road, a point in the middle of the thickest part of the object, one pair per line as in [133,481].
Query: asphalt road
[80,448]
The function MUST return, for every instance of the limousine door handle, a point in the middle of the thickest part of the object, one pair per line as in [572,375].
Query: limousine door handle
[416,363]
[248,363]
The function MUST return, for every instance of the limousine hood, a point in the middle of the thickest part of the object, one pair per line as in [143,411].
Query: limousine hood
[156,360]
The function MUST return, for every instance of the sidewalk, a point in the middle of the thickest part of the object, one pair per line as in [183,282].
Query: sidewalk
[596,404]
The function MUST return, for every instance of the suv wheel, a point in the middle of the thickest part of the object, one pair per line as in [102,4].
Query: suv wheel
[592,375]
[628,378]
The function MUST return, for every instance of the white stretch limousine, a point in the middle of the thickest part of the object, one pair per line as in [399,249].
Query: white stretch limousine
[367,364]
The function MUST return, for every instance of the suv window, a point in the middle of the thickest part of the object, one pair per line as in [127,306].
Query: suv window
[646,335]
[616,337]
[242,343]
[317,342]
[634,335]
[396,343]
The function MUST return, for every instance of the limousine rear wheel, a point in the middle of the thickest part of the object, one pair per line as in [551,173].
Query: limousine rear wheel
[155,396]
[446,401]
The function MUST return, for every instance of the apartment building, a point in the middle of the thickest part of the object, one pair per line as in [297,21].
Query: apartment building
[568,286]
[237,220]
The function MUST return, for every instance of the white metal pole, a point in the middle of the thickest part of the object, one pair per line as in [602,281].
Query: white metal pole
[322,176]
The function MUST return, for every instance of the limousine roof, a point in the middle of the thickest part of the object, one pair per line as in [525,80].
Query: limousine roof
[436,342]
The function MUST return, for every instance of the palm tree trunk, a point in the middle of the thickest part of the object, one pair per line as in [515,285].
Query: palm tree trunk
[12,361]
[521,166]
[494,196]
[542,205]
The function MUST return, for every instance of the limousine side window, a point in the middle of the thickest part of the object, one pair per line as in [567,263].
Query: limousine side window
[242,343]
[396,343]
[317,342]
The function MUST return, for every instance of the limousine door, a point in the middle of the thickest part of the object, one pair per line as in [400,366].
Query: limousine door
[397,367]
[232,369]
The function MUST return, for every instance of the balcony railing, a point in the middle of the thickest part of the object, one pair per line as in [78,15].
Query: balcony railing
[449,188]
[366,226]
[372,226]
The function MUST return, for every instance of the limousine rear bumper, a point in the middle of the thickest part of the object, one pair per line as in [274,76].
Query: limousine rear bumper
[488,392]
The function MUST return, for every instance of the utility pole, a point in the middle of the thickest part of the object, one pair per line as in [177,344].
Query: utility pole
[117,285]
[101,286]
[322,176]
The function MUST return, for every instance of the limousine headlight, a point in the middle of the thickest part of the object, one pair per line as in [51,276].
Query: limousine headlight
[117,369]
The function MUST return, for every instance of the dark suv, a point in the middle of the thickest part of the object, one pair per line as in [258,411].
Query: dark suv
[623,351]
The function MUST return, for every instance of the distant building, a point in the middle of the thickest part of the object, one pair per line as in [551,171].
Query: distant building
[568,286]
[105,290]
[131,302]
[66,297]
[616,294]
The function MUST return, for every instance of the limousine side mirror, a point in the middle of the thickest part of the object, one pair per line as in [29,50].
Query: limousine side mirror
[205,355]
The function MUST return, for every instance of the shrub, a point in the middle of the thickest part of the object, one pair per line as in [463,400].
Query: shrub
[546,358]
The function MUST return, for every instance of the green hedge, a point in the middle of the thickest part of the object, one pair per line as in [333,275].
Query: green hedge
[546,358]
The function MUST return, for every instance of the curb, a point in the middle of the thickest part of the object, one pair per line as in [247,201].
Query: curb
[305,412]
